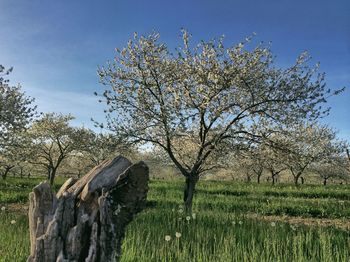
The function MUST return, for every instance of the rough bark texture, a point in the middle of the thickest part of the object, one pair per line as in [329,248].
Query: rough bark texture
[86,219]
[189,192]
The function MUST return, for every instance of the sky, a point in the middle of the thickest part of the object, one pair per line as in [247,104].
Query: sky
[56,47]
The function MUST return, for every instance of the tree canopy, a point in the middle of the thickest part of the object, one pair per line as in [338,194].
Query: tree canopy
[207,95]
[16,110]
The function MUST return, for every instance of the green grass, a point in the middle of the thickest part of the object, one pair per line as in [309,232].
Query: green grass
[221,230]
[14,238]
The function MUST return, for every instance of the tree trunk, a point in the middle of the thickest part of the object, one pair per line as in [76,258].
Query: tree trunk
[7,170]
[273,176]
[86,219]
[48,173]
[52,176]
[302,180]
[249,178]
[189,192]
[259,176]
[296,178]
[325,181]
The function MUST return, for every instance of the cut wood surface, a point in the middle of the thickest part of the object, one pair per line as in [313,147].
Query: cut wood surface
[86,219]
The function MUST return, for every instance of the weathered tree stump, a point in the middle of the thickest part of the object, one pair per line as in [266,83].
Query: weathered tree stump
[86,219]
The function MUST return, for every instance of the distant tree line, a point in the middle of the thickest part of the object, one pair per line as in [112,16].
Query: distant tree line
[300,151]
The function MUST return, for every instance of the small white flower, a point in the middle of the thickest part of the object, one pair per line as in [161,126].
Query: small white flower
[181,211]
[188,218]
[13,222]
[3,208]
[167,238]
[240,222]
[173,210]
[233,222]
[194,215]
[273,224]
[178,234]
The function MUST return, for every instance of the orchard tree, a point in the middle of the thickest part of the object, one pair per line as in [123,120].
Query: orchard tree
[273,159]
[12,156]
[207,95]
[306,143]
[7,162]
[53,139]
[16,110]
[252,161]
[332,167]
[76,164]
[99,147]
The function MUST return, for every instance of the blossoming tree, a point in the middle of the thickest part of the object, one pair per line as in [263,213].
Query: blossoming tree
[208,96]
[306,144]
[16,112]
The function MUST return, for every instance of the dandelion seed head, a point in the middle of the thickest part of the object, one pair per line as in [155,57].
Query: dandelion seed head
[167,238]
[13,222]
[188,218]
[273,224]
[3,208]
[177,234]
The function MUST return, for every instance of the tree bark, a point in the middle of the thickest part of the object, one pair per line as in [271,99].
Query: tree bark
[189,192]
[86,219]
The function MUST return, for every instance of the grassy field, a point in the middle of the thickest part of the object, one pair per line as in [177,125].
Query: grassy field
[232,222]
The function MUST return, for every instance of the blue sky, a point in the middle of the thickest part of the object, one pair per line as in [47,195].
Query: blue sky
[56,46]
